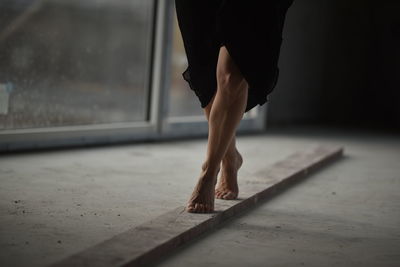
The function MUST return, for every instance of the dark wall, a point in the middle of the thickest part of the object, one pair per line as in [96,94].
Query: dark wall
[340,64]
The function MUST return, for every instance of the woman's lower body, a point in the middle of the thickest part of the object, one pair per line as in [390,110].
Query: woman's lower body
[232,49]
[223,113]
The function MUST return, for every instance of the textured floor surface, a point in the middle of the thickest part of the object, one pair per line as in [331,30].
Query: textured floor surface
[56,203]
[347,214]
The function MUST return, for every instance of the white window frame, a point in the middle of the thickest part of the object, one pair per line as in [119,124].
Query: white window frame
[158,126]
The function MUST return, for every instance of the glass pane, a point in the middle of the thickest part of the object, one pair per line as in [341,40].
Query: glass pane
[70,62]
[183,101]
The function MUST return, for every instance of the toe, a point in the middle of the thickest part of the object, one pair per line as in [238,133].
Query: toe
[196,207]
[199,208]
[190,208]
[203,208]
[228,195]
[223,194]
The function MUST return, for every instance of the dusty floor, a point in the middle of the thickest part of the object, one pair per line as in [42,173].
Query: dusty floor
[347,214]
[56,203]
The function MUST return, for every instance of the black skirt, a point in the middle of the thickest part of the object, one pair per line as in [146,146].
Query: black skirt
[251,31]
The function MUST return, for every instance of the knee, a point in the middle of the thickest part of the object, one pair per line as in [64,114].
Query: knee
[230,83]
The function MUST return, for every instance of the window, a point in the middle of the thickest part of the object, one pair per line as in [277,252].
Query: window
[69,62]
[94,71]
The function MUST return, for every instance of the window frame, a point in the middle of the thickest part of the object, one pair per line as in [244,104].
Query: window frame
[158,125]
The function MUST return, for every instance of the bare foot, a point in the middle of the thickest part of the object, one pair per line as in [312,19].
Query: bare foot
[228,187]
[202,198]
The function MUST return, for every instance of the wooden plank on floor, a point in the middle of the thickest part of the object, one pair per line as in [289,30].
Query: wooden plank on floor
[144,244]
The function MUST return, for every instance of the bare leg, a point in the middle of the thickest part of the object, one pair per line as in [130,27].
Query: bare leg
[226,112]
[227,187]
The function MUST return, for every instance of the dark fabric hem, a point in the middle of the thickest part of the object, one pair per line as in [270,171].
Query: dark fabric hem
[255,97]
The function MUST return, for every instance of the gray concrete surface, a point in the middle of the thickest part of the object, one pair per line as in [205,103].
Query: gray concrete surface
[161,236]
[348,214]
[56,203]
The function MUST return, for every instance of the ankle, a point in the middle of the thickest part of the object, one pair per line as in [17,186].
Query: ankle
[230,159]
[210,168]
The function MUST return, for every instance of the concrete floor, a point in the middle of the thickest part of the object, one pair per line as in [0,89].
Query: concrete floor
[57,203]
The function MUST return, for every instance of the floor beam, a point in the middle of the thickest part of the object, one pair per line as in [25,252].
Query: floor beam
[147,242]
